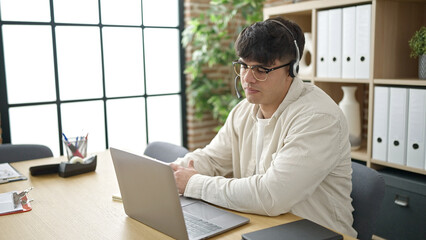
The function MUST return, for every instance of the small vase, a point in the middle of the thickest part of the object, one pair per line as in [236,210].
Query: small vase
[422,66]
[351,110]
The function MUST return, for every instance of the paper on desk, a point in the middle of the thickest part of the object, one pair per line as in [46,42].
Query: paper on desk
[7,171]
[6,203]
[9,174]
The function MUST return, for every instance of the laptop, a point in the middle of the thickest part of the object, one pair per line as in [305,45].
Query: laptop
[150,196]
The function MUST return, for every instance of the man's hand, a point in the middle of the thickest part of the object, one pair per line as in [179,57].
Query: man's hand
[183,174]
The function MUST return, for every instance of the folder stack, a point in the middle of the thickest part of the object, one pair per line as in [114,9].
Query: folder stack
[399,126]
[343,49]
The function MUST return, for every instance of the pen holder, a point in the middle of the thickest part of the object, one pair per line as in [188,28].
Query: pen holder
[67,169]
[76,147]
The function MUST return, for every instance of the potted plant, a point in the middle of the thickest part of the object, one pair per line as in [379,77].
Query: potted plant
[418,49]
[211,40]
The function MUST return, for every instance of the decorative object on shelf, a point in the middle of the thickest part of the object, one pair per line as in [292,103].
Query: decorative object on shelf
[351,110]
[422,66]
[305,69]
[418,49]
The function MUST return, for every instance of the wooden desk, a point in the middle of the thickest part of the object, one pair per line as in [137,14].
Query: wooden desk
[81,207]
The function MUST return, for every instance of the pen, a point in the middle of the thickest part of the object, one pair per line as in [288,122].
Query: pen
[65,137]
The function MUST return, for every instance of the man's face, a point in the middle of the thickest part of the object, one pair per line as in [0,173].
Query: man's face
[269,93]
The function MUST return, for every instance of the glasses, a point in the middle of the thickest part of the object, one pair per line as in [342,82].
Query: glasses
[259,72]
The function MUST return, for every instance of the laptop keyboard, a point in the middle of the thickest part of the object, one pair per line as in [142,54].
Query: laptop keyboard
[198,227]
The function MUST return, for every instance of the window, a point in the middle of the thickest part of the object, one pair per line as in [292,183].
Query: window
[113,69]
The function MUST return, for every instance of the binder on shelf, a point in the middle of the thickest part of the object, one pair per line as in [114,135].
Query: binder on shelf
[348,42]
[416,135]
[362,41]
[398,109]
[322,44]
[334,56]
[380,123]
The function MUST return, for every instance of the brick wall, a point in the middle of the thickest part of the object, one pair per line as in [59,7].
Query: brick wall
[201,132]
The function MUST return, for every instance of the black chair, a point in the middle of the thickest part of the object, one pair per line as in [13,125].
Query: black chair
[166,152]
[22,152]
[368,190]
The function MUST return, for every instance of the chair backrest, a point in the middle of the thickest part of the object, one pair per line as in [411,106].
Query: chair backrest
[22,152]
[368,189]
[166,152]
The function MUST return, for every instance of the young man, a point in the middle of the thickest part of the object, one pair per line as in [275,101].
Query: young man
[285,148]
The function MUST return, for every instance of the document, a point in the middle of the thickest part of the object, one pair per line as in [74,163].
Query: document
[7,205]
[9,174]
[348,42]
[14,202]
[334,56]
[398,111]
[380,123]
[416,153]
[322,43]
[362,48]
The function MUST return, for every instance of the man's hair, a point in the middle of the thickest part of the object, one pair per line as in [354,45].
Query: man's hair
[267,41]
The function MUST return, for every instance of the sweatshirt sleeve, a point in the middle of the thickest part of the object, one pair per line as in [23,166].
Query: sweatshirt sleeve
[216,158]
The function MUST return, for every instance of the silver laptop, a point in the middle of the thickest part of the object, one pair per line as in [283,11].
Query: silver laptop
[149,194]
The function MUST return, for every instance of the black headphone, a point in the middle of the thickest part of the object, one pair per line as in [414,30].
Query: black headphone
[294,64]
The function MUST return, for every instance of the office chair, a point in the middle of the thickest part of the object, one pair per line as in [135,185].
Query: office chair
[166,152]
[368,190]
[21,152]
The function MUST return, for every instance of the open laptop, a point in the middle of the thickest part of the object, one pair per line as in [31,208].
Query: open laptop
[149,195]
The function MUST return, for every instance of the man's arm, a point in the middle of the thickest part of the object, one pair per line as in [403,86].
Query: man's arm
[216,158]
[183,174]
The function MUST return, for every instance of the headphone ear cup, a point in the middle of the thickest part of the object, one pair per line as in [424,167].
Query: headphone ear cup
[293,69]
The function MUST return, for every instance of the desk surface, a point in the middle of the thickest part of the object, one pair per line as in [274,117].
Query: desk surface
[81,207]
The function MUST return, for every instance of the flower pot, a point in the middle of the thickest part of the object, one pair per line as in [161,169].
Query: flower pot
[351,109]
[422,66]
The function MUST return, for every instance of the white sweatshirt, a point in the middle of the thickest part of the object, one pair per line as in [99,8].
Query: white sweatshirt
[305,164]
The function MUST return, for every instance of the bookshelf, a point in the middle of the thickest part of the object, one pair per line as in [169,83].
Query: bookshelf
[393,22]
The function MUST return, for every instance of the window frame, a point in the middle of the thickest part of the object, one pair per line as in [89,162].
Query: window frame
[5,106]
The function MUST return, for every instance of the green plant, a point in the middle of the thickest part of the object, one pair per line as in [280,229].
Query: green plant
[212,41]
[418,43]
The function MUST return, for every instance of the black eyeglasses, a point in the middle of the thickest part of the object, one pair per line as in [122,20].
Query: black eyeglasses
[260,73]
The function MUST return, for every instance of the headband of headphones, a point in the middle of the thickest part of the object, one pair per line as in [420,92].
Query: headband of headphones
[294,66]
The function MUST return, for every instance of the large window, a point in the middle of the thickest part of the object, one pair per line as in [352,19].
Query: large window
[109,68]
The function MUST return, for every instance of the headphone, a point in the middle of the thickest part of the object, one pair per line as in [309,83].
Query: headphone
[294,64]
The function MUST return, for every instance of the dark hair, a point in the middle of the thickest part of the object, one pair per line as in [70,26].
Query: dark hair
[267,41]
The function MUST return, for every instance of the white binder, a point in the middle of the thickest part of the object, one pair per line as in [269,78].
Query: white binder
[380,123]
[322,44]
[334,56]
[348,42]
[398,110]
[362,48]
[416,138]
